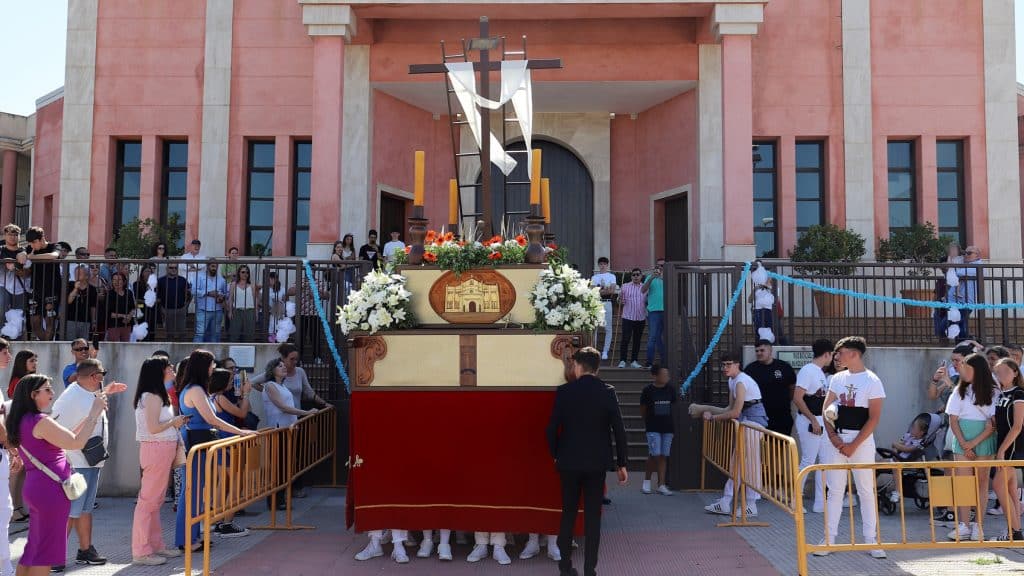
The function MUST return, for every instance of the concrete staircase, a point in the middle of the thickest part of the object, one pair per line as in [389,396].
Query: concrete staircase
[629,383]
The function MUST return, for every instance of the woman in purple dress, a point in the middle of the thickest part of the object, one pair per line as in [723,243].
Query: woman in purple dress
[36,434]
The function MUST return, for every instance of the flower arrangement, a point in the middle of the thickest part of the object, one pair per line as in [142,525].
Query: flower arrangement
[443,250]
[381,302]
[563,300]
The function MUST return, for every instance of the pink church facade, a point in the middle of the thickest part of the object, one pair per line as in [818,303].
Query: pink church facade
[703,130]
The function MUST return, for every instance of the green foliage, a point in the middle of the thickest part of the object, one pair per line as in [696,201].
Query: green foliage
[828,243]
[919,244]
[137,238]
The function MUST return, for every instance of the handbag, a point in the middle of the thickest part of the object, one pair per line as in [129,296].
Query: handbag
[94,451]
[200,436]
[74,487]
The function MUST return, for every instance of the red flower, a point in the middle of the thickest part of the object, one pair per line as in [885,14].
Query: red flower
[448,237]
[407,249]
[495,238]
[431,236]
[494,256]
[553,246]
[521,240]
[429,257]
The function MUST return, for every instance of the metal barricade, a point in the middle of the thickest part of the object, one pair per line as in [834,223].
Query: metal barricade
[718,445]
[957,491]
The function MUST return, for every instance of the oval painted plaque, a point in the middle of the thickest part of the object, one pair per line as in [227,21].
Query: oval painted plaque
[475,297]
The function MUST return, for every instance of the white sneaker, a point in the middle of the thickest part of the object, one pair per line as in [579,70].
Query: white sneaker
[646,487]
[444,552]
[635,364]
[622,363]
[554,553]
[997,511]
[878,553]
[478,553]
[399,555]
[151,560]
[664,491]
[751,510]
[372,550]
[962,531]
[501,556]
[531,550]
[894,497]
[976,532]
[720,507]
[821,553]
[426,549]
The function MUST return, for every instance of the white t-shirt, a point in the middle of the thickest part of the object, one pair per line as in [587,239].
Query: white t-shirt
[966,409]
[856,389]
[603,279]
[812,379]
[751,391]
[69,410]
[391,247]
[277,418]
[142,433]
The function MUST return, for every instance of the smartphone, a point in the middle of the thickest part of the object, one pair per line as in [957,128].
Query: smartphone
[96,343]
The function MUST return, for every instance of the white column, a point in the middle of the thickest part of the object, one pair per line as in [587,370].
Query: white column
[356,143]
[1001,155]
[857,121]
[709,146]
[76,133]
[213,176]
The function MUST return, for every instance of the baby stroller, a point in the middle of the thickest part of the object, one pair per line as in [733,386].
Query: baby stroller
[914,481]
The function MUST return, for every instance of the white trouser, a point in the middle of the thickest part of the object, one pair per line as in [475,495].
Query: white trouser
[864,481]
[446,536]
[552,540]
[484,538]
[397,536]
[812,450]
[607,327]
[6,510]
[751,468]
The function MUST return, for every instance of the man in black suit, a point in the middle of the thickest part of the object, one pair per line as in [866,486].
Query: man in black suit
[585,410]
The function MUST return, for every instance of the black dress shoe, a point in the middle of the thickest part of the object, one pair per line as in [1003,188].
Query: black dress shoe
[569,572]
[606,501]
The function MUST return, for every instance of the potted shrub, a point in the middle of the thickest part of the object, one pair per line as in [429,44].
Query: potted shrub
[919,244]
[825,244]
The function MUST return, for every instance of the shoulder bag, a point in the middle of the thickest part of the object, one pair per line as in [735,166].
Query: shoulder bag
[74,487]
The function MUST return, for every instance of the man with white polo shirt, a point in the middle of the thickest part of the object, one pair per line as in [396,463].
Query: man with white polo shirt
[605,281]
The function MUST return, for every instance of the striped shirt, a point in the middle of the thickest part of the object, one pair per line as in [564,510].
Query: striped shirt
[633,299]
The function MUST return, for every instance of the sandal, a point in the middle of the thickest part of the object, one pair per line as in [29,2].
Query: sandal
[19,515]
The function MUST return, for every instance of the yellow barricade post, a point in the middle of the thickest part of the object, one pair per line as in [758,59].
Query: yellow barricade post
[960,490]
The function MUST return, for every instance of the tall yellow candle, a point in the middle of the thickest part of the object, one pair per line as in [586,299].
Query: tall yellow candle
[418,182]
[545,199]
[535,178]
[453,202]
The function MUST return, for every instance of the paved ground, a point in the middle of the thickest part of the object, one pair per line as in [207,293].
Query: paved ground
[643,535]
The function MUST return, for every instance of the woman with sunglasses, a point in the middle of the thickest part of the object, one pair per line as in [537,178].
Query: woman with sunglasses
[42,441]
[243,300]
[160,254]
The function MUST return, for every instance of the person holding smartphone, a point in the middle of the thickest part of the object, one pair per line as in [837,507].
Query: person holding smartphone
[654,289]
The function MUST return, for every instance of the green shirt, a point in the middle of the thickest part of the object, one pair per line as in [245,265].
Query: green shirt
[655,295]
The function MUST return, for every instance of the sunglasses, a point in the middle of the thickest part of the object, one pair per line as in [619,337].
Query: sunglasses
[80,349]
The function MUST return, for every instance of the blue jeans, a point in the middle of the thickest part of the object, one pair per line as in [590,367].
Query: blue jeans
[655,325]
[208,325]
[84,504]
[198,478]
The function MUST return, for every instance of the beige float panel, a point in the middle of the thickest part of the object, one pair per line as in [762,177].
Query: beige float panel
[517,360]
[419,281]
[418,361]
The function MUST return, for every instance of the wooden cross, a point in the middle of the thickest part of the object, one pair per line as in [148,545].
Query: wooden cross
[484,44]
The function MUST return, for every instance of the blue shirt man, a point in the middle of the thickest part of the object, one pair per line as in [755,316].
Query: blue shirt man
[211,293]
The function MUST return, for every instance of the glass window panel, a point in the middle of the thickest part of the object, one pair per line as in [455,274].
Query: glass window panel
[129,211]
[901,155]
[949,185]
[261,185]
[177,155]
[764,215]
[259,241]
[900,215]
[130,185]
[302,213]
[131,154]
[262,155]
[302,185]
[901,185]
[177,184]
[949,214]
[766,150]
[947,154]
[765,244]
[764,185]
[808,214]
[261,213]
[303,155]
[176,207]
[301,238]
[808,154]
[808,185]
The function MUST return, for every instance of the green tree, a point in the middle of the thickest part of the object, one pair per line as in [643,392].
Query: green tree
[136,238]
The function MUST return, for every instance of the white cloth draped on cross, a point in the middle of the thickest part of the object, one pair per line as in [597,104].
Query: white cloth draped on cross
[516,86]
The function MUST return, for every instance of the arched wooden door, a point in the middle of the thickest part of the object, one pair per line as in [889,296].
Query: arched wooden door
[572,199]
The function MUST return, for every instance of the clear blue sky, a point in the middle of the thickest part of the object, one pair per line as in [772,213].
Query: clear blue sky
[32,43]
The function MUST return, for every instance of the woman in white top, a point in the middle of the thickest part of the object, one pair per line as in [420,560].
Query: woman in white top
[744,405]
[281,411]
[971,409]
[276,299]
[156,429]
[809,399]
[243,299]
